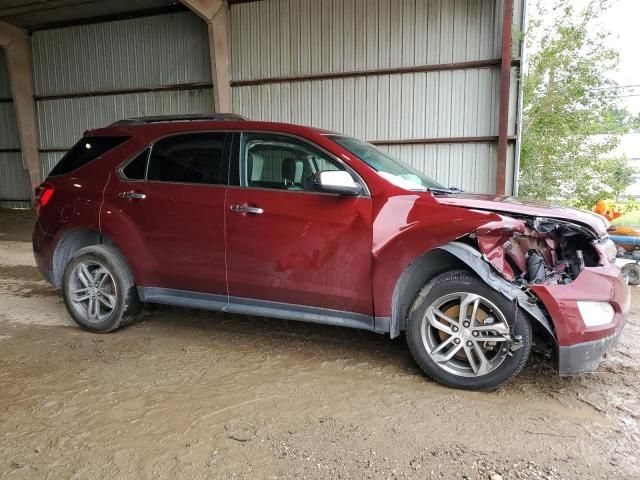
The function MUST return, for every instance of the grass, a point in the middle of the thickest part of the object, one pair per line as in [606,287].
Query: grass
[631,219]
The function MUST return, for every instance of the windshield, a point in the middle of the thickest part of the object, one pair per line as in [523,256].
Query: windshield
[395,171]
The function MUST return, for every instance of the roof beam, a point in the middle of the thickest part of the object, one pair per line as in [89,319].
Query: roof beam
[9,33]
[216,14]
[31,7]
[17,47]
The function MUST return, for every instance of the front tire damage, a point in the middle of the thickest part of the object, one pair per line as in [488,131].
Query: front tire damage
[464,334]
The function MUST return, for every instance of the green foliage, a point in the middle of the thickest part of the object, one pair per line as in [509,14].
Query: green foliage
[629,207]
[572,115]
[630,211]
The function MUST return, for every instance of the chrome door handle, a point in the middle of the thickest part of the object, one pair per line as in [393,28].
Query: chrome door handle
[246,209]
[134,195]
[254,210]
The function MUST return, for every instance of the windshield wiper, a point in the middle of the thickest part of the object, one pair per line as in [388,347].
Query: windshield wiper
[444,190]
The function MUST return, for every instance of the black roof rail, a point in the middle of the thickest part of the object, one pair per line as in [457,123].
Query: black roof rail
[209,117]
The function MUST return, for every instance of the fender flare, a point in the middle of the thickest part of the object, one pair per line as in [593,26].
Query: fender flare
[473,258]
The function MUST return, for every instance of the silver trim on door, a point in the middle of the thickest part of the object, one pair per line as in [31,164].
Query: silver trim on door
[133,195]
[246,209]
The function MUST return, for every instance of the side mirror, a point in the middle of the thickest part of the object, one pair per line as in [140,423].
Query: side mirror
[336,181]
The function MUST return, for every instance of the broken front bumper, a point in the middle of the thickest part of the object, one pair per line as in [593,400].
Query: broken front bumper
[584,357]
[580,347]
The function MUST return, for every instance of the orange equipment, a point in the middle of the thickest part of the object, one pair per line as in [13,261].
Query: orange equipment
[608,209]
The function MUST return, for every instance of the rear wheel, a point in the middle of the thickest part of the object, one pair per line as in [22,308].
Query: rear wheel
[99,289]
[464,334]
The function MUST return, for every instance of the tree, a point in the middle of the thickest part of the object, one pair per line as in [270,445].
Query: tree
[572,114]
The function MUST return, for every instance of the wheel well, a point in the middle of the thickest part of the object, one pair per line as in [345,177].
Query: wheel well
[70,243]
[415,276]
[434,262]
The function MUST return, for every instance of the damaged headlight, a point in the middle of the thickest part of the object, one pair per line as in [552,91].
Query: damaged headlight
[610,250]
[595,314]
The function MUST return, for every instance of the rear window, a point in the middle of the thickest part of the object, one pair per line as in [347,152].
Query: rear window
[83,152]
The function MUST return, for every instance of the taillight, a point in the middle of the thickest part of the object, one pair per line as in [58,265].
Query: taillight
[43,194]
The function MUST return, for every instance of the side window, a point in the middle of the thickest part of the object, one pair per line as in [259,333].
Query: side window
[281,162]
[137,168]
[188,158]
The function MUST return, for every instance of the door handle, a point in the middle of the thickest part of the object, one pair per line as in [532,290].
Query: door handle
[133,195]
[246,209]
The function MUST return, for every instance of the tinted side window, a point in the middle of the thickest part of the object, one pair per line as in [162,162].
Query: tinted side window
[83,152]
[137,168]
[281,162]
[188,158]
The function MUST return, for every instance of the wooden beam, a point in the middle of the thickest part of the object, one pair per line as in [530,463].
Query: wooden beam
[216,14]
[17,47]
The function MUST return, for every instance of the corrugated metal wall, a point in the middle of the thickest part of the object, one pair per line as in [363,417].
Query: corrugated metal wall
[88,76]
[279,38]
[5,87]
[14,179]
[119,58]
[295,37]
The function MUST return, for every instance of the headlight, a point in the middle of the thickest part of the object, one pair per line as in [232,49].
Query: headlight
[610,250]
[595,314]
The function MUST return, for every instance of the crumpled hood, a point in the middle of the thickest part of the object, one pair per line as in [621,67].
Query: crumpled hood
[513,205]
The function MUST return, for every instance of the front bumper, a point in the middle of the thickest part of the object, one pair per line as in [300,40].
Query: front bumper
[580,348]
[584,357]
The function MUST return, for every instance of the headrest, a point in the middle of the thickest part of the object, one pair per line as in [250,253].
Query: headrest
[292,170]
[255,162]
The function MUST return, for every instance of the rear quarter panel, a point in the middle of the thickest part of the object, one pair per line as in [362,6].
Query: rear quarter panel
[75,205]
[77,202]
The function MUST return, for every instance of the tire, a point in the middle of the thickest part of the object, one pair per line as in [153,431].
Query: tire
[632,272]
[111,292]
[453,359]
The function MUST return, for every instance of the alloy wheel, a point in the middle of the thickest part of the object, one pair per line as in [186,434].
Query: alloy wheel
[92,291]
[465,334]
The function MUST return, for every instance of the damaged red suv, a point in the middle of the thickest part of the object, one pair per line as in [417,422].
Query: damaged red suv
[298,223]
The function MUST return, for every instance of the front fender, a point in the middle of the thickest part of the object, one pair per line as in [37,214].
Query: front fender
[404,228]
[473,259]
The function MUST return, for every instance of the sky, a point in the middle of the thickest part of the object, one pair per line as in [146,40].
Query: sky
[622,20]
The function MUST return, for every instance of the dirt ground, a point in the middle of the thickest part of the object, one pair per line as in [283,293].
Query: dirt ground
[190,394]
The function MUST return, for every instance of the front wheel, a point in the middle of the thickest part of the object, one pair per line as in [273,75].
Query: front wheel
[632,272]
[464,334]
[99,290]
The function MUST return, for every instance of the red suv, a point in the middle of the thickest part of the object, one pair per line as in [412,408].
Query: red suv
[299,223]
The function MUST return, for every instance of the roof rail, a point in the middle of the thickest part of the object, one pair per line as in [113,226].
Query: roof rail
[209,117]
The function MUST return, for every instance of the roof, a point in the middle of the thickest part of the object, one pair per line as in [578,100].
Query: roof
[156,126]
[39,14]
[212,117]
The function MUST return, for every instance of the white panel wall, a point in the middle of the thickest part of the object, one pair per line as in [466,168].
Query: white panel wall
[14,182]
[61,122]
[139,53]
[289,38]
[298,37]
[471,167]
[385,107]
